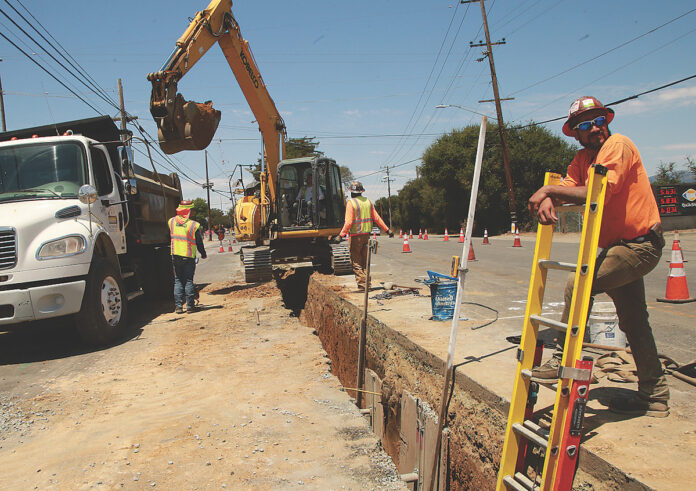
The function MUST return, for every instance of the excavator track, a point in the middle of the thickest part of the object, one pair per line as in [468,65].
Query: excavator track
[340,259]
[257,264]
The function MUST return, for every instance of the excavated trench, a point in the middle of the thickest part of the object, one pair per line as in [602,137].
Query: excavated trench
[407,382]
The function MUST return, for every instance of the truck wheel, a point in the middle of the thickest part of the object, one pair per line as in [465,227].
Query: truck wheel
[104,312]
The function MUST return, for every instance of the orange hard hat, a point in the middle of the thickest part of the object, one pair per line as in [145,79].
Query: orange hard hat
[584,105]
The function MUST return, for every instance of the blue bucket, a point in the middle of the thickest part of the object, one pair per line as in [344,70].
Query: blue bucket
[443,295]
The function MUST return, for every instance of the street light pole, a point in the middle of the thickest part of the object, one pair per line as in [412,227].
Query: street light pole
[207,187]
[2,109]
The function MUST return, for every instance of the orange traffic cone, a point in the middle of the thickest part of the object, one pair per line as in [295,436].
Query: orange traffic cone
[222,249]
[472,256]
[425,236]
[420,233]
[517,242]
[485,237]
[401,234]
[374,235]
[410,233]
[229,248]
[446,236]
[406,248]
[461,235]
[677,289]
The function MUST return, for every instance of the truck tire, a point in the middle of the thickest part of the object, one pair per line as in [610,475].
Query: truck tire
[104,313]
[157,275]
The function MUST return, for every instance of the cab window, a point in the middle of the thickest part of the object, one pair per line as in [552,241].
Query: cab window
[102,174]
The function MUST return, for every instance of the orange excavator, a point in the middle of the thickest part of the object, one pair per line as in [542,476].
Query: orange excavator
[295,213]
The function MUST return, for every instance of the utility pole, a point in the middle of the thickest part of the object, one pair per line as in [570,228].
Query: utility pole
[123,118]
[389,181]
[2,109]
[207,187]
[498,109]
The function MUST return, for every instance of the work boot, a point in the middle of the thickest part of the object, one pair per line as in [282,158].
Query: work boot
[179,310]
[638,404]
[548,372]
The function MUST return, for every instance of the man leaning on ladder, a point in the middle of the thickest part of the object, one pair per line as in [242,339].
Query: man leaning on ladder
[631,239]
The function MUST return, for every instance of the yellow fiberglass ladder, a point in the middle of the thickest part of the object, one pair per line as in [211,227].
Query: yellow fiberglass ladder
[560,443]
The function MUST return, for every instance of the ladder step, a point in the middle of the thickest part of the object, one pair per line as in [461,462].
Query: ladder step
[570,208]
[550,384]
[513,483]
[525,481]
[530,435]
[559,326]
[549,264]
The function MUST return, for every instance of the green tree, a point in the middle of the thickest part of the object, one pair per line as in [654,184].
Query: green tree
[448,166]
[691,166]
[302,147]
[346,176]
[199,212]
[666,174]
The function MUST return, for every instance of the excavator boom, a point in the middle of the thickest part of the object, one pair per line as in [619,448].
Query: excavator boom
[189,125]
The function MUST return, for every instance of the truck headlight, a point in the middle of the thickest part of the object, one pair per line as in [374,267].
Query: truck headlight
[65,246]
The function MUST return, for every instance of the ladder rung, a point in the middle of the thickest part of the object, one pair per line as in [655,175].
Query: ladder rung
[525,481]
[530,435]
[549,264]
[570,208]
[551,384]
[510,482]
[559,326]
[531,425]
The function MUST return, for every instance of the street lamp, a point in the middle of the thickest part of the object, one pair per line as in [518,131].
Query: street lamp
[506,161]
[442,106]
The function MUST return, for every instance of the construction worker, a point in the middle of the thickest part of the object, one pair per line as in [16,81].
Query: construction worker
[360,215]
[187,240]
[631,242]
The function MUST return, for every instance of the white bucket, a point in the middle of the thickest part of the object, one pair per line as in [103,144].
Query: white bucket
[604,326]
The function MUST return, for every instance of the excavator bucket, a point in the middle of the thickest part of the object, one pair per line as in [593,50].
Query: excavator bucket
[188,125]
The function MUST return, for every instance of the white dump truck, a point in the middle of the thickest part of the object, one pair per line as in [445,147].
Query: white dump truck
[83,229]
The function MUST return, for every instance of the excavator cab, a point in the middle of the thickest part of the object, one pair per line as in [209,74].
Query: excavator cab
[309,194]
[181,124]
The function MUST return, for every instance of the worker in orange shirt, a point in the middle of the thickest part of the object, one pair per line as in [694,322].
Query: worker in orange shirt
[360,215]
[630,238]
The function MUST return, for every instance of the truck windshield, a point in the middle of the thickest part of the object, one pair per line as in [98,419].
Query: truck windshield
[45,171]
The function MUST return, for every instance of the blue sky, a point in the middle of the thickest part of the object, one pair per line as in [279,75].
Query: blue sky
[355,74]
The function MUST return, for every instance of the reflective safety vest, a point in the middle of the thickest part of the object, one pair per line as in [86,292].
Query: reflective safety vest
[362,216]
[183,237]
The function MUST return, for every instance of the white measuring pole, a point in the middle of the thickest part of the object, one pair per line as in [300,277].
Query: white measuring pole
[458,301]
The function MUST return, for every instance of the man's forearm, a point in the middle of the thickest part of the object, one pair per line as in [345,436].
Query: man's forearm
[566,194]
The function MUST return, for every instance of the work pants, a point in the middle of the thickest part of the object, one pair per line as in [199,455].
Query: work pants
[619,273]
[358,258]
[184,269]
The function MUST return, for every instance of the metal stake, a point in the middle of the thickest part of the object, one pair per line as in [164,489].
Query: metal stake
[371,244]
[458,301]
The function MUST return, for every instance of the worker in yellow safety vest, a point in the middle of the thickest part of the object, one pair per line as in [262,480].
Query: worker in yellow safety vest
[186,242]
[360,215]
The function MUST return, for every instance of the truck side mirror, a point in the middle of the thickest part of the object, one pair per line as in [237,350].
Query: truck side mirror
[87,194]
[129,183]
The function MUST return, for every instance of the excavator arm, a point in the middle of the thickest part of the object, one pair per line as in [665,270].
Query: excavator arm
[188,125]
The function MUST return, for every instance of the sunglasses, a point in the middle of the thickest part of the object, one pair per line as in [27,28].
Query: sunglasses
[586,125]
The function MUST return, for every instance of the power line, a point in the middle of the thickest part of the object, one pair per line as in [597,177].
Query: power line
[604,53]
[620,101]
[49,73]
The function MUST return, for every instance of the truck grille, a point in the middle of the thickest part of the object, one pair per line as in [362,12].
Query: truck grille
[8,247]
